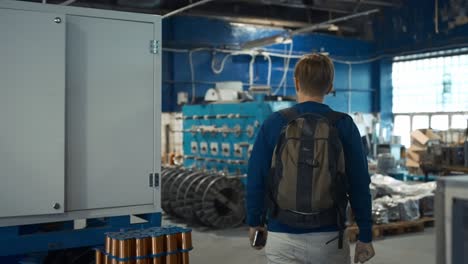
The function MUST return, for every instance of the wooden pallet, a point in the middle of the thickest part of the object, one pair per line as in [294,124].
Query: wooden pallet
[395,228]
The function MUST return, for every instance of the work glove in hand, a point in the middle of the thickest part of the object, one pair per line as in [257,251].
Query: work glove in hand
[252,231]
[364,252]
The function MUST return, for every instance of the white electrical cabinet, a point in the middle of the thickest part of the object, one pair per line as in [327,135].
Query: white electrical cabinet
[452,219]
[80,107]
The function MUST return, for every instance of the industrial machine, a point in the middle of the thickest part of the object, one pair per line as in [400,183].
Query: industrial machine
[218,137]
[80,116]
[452,219]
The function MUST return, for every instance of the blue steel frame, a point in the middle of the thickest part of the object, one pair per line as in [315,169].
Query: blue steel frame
[19,240]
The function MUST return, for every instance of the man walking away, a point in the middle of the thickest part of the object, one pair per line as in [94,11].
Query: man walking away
[306,164]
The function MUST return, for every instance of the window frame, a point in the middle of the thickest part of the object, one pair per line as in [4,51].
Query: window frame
[430,114]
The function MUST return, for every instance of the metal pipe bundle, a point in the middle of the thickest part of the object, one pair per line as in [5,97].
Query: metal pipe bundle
[168,245]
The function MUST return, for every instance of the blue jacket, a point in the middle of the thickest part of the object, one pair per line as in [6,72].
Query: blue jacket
[356,169]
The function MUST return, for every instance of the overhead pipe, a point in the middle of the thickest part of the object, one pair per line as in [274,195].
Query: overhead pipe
[180,10]
[371,2]
[332,21]
[287,35]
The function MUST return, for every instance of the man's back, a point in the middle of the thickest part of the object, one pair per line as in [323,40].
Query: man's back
[356,168]
[313,78]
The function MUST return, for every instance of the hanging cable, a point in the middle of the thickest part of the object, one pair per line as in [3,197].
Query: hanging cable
[286,69]
[350,85]
[275,53]
[270,66]
[251,70]
[221,67]
[285,60]
[251,64]
[192,75]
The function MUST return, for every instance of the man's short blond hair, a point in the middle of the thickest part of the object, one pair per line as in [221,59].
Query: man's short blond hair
[315,73]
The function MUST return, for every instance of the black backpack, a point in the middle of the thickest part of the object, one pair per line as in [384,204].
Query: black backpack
[307,187]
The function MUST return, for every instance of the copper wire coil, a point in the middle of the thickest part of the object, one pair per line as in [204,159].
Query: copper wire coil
[171,242]
[148,244]
[132,250]
[142,250]
[99,257]
[158,247]
[159,260]
[185,258]
[186,240]
[172,259]
[108,249]
[171,246]
[124,251]
[108,245]
[179,247]
[114,250]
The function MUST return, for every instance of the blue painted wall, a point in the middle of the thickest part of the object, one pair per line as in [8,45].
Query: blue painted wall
[193,32]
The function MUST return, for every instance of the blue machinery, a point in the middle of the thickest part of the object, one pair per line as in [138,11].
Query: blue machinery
[220,136]
[218,139]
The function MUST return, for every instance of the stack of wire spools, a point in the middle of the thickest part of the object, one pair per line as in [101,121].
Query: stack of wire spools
[209,198]
[158,245]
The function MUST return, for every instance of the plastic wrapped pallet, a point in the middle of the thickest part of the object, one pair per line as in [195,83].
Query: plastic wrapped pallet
[373,191]
[409,208]
[393,210]
[426,205]
[380,214]
[387,185]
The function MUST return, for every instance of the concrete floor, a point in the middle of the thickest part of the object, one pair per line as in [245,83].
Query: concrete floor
[231,247]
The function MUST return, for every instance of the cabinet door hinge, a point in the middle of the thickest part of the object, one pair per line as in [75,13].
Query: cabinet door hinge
[154,46]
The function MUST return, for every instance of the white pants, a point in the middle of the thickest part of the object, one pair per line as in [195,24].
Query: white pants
[311,248]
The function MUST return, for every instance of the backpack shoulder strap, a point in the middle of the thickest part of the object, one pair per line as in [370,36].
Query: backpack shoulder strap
[289,114]
[333,117]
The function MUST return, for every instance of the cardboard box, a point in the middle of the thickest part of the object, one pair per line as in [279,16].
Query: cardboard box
[412,164]
[432,136]
[417,148]
[415,156]
[420,137]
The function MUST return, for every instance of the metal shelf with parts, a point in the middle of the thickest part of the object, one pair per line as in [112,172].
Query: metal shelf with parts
[19,240]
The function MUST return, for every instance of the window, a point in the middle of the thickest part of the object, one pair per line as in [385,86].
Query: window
[402,128]
[430,90]
[431,84]
[440,122]
[459,121]
[420,122]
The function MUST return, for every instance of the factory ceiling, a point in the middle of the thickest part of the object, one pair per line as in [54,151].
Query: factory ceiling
[291,14]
